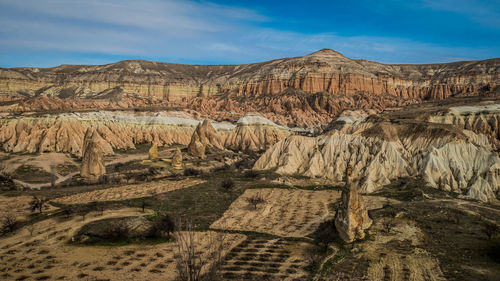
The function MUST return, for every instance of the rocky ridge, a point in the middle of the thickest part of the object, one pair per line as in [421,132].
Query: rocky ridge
[124,130]
[384,148]
[301,91]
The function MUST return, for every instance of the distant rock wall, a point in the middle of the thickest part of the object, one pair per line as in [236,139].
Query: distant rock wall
[303,90]
[123,130]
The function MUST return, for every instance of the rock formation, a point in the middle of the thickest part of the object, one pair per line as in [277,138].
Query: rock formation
[204,137]
[351,218]
[301,90]
[123,130]
[386,147]
[177,159]
[254,133]
[93,156]
[120,130]
[153,152]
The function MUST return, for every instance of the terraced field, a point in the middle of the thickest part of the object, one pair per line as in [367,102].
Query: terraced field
[265,259]
[285,213]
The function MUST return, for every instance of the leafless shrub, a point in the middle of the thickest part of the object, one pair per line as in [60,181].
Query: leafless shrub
[37,203]
[190,263]
[31,229]
[228,186]
[388,224]
[255,200]
[9,223]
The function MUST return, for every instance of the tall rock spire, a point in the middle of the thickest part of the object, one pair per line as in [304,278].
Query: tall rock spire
[351,219]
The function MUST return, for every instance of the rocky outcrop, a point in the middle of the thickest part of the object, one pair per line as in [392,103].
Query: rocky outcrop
[381,150]
[204,137]
[351,218]
[177,159]
[153,152]
[93,156]
[254,133]
[481,119]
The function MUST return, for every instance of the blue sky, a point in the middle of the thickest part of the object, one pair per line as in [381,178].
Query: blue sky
[46,33]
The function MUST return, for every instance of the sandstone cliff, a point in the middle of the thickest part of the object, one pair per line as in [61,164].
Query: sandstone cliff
[381,150]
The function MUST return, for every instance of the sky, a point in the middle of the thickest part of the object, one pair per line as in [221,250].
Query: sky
[45,33]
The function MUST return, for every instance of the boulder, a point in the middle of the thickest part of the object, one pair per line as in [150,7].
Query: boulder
[177,159]
[153,152]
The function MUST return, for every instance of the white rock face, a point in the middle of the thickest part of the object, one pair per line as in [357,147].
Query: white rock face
[254,132]
[481,119]
[122,130]
[463,162]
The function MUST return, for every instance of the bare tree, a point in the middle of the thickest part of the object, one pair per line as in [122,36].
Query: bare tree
[255,200]
[489,229]
[228,186]
[31,229]
[52,176]
[82,211]
[163,226]
[37,203]
[144,204]
[191,263]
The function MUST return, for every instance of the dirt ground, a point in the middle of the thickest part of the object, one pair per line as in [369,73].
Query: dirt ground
[286,212]
[129,191]
[18,206]
[266,259]
[46,255]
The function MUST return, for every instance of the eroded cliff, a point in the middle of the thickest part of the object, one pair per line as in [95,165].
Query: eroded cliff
[382,149]
[304,91]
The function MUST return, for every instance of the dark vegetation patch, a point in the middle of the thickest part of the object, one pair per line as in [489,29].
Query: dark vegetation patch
[32,174]
[66,169]
[412,189]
